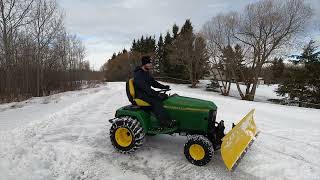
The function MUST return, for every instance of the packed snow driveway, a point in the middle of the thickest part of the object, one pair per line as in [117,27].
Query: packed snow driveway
[67,137]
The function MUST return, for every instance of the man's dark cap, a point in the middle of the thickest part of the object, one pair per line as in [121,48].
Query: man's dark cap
[145,60]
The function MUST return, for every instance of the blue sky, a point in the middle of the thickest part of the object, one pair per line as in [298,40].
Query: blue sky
[108,26]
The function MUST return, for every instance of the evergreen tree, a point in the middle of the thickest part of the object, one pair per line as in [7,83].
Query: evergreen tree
[175,30]
[151,46]
[309,55]
[227,64]
[167,39]
[187,28]
[144,45]
[134,45]
[311,60]
[114,56]
[238,53]
[159,56]
[240,67]
[188,54]
[165,64]
[277,69]
[172,70]
[188,38]
[303,82]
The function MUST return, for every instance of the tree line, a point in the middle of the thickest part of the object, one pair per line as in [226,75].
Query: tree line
[37,55]
[180,55]
[234,47]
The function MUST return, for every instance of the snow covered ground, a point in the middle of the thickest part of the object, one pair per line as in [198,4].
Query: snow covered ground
[66,136]
[264,92]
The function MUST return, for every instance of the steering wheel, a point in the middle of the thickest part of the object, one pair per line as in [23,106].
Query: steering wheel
[164,90]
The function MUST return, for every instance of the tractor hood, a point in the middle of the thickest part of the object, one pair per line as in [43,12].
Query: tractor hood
[189,104]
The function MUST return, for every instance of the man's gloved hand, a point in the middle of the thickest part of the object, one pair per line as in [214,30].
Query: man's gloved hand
[166,87]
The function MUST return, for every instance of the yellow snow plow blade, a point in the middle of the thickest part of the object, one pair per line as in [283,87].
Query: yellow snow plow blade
[235,142]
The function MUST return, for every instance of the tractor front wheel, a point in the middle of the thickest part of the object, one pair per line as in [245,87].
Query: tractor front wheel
[126,135]
[198,150]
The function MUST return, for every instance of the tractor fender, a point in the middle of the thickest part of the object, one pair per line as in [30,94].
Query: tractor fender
[140,115]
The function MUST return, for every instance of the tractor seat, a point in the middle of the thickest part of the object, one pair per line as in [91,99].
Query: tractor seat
[131,95]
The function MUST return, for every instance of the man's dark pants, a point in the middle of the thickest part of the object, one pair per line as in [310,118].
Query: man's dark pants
[158,109]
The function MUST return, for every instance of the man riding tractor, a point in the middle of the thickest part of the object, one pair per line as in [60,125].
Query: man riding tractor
[143,81]
[150,113]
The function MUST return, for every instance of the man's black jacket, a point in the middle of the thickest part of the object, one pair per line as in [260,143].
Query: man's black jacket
[143,81]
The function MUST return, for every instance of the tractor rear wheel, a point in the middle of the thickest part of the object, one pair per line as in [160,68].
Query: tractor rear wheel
[198,150]
[126,135]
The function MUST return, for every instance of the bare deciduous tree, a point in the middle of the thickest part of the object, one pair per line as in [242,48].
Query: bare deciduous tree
[218,32]
[13,15]
[261,29]
[37,55]
[46,23]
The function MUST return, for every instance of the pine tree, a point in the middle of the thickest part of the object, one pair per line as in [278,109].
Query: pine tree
[309,55]
[187,37]
[302,83]
[166,67]
[188,55]
[175,30]
[167,39]
[226,65]
[200,58]
[151,46]
[144,45]
[134,45]
[277,69]
[159,56]
[187,27]
[311,59]
[114,56]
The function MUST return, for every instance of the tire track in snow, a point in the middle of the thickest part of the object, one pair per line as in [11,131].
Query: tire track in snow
[293,140]
[291,147]
[299,158]
[87,166]
[34,137]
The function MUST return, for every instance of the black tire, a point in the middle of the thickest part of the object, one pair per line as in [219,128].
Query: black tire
[133,130]
[206,150]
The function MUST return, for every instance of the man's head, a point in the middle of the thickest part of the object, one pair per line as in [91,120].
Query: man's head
[146,63]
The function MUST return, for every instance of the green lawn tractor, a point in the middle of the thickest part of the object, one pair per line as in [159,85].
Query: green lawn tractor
[194,118]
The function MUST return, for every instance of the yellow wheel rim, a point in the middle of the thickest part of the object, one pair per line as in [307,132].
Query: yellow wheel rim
[197,152]
[123,137]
